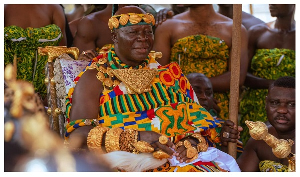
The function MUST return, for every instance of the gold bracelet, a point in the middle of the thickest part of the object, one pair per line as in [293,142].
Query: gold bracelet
[112,139]
[94,138]
[127,138]
[202,146]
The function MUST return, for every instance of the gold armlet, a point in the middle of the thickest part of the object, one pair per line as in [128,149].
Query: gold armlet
[94,138]
[127,138]
[112,139]
[202,145]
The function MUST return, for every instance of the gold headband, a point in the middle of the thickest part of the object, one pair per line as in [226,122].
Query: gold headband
[129,19]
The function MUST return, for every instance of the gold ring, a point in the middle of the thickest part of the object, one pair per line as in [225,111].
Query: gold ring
[180,143]
[225,134]
[163,139]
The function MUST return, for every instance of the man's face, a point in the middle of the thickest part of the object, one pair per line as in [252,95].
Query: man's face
[203,90]
[280,107]
[134,43]
[281,10]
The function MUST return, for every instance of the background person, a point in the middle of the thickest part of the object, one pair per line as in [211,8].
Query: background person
[271,51]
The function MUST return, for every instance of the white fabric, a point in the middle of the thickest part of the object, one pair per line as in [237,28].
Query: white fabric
[48,40]
[224,160]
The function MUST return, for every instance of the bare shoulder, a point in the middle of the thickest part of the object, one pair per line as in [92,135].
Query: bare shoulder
[258,29]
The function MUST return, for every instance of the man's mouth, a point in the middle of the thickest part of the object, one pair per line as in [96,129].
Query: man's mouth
[141,50]
[281,120]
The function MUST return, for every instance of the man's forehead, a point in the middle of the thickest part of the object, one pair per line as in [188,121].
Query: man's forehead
[135,27]
[282,92]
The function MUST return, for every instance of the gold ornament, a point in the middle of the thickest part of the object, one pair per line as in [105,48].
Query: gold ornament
[114,21]
[112,139]
[124,19]
[163,139]
[135,18]
[137,81]
[94,138]
[180,143]
[292,163]
[190,151]
[9,129]
[160,155]
[143,146]
[55,51]
[202,146]
[259,131]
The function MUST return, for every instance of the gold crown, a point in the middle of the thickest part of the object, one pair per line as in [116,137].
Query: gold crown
[129,19]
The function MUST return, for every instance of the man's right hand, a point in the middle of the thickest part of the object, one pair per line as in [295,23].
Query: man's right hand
[230,133]
[163,15]
[87,55]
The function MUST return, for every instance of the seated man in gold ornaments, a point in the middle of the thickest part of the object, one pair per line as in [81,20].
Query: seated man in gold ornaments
[138,114]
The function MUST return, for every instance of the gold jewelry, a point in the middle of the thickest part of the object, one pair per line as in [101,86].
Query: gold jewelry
[127,138]
[142,146]
[94,138]
[163,139]
[112,139]
[119,21]
[180,143]
[259,131]
[202,146]
[136,81]
[190,150]
[160,155]
[192,159]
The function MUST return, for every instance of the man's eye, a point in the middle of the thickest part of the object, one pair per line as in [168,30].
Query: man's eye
[148,32]
[291,104]
[274,102]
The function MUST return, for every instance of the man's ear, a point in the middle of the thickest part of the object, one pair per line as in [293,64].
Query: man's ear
[114,36]
[266,102]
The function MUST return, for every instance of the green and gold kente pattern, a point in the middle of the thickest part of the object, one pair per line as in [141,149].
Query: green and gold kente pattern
[271,166]
[26,51]
[207,55]
[263,65]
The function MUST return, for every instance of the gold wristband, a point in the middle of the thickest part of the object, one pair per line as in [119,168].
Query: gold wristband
[127,138]
[112,139]
[94,138]
[202,146]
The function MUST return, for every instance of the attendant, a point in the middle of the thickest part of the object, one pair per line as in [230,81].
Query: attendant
[27,27]
[274,149]
[248,20]
[204,92]
[271,55]
[200,40]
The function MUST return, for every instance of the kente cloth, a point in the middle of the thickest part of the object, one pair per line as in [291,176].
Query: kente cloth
[170,108]
[207,55]
[24,43]
[271,166]
[269,64]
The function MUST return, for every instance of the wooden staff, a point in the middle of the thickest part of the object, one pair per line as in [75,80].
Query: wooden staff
[235,71]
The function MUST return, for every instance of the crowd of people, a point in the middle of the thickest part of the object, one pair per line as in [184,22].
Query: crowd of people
[152,111]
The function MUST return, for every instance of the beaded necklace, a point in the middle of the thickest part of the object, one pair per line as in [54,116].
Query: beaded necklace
[116,63]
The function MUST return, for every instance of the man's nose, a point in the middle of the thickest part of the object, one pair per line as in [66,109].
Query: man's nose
[142,35]
[282,108]
[202,96]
